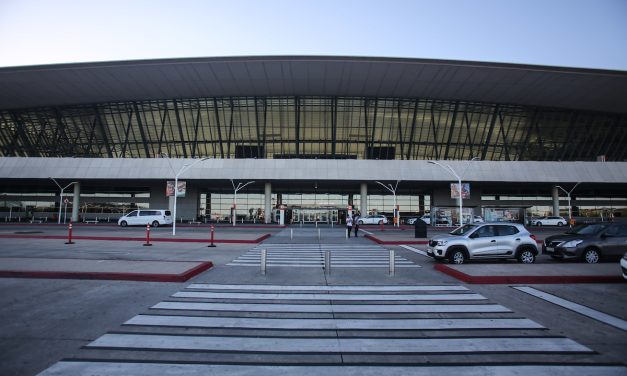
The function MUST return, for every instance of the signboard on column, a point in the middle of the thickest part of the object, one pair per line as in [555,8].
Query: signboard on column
[180,189]
[465,190]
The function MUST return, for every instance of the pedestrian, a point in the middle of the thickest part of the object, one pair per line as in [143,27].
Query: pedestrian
[349,225]
[356,222]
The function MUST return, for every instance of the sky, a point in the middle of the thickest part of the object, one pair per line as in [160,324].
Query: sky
[564,33]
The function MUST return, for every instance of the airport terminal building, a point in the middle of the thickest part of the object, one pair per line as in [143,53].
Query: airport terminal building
[316,136]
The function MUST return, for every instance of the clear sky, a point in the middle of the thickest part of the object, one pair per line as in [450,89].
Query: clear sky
[571,33]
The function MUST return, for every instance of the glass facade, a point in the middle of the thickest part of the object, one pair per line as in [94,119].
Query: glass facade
[313,127]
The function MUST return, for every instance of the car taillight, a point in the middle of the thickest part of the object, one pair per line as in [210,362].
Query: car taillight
[533,237]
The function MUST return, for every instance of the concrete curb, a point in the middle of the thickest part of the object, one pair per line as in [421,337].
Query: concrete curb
[135,239]
[142,277]
[495,280]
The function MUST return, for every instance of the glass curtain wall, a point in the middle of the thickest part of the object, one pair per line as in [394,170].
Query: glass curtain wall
[313,127]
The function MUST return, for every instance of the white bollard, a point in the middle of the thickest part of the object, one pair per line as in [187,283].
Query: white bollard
[318,234]
[327,262]
[291,234]
[392,262]
[263,261]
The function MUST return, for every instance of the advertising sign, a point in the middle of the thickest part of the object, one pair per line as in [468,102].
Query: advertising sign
[180,190]
[465,190]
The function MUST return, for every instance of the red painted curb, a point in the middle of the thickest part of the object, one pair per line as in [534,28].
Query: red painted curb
[498,280]
[120,238]
[111,275]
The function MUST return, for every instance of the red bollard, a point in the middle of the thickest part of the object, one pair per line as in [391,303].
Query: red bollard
[212,229]
[69,234]
[147,244]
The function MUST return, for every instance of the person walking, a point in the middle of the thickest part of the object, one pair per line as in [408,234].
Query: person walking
[356,222]
[349,225]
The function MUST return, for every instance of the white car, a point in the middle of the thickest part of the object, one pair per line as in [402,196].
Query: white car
[143,217]
[549,221]
[477,219]
[372,220]
[425,218]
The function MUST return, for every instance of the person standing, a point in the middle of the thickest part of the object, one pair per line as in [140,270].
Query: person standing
[349,225]
[356,222]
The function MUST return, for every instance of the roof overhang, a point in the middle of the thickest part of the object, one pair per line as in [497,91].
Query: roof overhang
[259,76]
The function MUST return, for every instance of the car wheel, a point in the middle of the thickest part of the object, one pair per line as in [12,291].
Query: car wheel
[560,224]
[538,223]
[155,224]
[381,222]
[457,256]
[360,222]
[123,224]
[591,256]
[526,256]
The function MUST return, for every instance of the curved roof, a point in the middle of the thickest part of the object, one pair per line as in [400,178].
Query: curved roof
[71,84]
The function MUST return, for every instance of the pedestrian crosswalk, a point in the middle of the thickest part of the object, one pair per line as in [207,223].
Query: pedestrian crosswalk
[313,256]
[237,329]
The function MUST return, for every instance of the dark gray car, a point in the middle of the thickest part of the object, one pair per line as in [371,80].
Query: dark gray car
[589,242]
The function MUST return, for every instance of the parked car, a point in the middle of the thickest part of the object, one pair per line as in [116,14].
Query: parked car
[485,241]
[373,220]
[549,221]
[588,242]
[154,217]
[477,219]
[623,265]
[425,218]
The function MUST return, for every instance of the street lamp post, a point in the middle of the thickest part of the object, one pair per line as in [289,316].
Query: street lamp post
[185,167]
[235,190]
[459,187]
[61,195]
[568,193]
[397,222]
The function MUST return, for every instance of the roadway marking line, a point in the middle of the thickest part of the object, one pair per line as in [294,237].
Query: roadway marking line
[328,288]
[332,324]
[418,251]
[340,345]
[299,265]
[76,368]
[582,310]
[334,308]
[326,297]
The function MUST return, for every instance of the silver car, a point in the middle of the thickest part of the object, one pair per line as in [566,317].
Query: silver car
[485,241]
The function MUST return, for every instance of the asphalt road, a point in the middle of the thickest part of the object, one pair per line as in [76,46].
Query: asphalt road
[43,321]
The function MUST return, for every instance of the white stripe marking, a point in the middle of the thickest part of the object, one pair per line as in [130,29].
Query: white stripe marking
[583,310]
[79,368]
[339,345]
[359,297]
[328,288]
[332,324]
[328,308]
[415,250]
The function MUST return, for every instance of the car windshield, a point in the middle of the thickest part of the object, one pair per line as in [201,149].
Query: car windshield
[463,229]
[588,229]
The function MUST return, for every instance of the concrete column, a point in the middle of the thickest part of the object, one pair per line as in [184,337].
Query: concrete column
[267,216]
[76,202]
[556,201]
[363,194]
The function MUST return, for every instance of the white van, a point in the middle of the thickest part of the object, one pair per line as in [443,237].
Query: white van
[154,217]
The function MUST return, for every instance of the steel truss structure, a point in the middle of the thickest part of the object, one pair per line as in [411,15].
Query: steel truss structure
[313,127]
